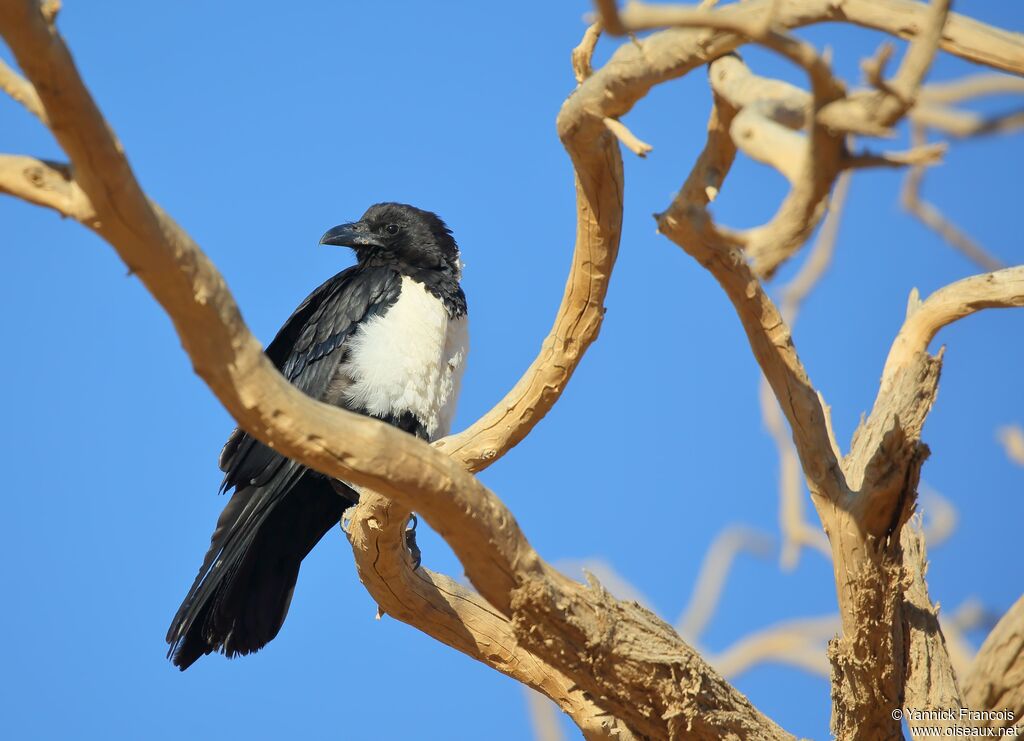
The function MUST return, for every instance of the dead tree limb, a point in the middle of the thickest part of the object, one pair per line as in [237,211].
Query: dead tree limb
[995,681]
[552,617]
[864,498]
[617,669]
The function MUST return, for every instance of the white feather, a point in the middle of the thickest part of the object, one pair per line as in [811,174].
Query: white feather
[409,359]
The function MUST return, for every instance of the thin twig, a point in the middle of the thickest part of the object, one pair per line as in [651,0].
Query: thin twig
[628,139]
[22,91]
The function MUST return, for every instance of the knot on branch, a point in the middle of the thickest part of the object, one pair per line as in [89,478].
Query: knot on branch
[51,176]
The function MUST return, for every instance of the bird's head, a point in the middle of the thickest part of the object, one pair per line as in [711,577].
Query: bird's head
[400,234]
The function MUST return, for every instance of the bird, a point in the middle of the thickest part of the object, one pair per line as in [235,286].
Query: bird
[386,338]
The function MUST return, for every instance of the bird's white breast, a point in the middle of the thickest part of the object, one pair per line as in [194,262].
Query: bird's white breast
[409,359]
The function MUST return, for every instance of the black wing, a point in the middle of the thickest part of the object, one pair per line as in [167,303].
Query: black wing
[305,350]
[279,509]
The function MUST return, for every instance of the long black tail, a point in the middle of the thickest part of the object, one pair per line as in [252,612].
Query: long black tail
[241,595]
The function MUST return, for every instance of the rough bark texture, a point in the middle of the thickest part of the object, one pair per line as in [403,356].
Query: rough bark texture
[996,679]
[618,670]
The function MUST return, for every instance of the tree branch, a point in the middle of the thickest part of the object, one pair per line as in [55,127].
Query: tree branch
[996,679]
[956,123]
[931,679]
[22,91]
[1001,289]
[456,616]
[714,570]
[558,620]
[796,642]
[865,499]
[796,531]
[687,223]
[593,654]
[48,184]
[961,36]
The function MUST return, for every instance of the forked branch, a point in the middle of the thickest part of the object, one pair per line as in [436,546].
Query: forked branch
[551,616]
[618,670]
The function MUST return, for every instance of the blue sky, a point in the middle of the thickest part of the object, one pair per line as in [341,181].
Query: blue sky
[258,129]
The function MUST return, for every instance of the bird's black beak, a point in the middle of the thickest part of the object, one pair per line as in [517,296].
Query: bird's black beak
[356,235]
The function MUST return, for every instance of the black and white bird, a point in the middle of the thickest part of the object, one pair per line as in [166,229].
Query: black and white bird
[386,338]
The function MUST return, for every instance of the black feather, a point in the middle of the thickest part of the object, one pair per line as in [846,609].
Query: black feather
[279,509]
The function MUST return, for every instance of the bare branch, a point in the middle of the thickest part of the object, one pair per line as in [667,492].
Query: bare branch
[961,36]
[543,717]
[996,679]
[919,57]
[930,678]
[454,615]
[48,184]
[670,54]
[810,164]
[598,230]
[874,112]
[771,143]
[593,654]
[928,154]
[687,223]
[627,137]
[963,124]
[796,531]
[972,86]
[22,91]
[714,571]
[820,256]
[779,101]
[910,198]
[997,290]
[799,643]
[555,619]
[864,500]
[582,54]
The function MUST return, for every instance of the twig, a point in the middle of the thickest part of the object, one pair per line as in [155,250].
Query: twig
[22,91]
[714,571]
[972,86]
[796,531]
[628,139]
[800,643]
[584,53]
[873,112]
[964,124]
[1001,289]
[48,184]
[498,560]
[911,200]
[543,717]
[920,156]
[687,223]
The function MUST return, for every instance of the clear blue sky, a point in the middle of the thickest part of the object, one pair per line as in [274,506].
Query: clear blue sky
[257,129]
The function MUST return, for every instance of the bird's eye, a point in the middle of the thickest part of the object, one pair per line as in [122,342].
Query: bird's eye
[391,229]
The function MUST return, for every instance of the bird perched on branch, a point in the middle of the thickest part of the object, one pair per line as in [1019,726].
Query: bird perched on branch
[386,338]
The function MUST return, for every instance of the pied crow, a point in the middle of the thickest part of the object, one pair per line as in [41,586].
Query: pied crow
[386,338]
